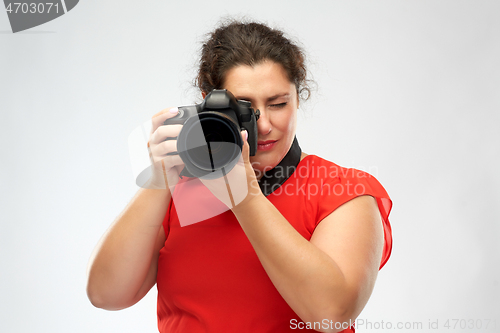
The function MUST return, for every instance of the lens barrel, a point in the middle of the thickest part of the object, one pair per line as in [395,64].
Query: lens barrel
[209,144]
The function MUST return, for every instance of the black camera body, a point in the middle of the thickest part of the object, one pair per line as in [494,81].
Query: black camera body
[210,142]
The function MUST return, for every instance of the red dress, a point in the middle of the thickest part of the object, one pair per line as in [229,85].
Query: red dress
[209,277]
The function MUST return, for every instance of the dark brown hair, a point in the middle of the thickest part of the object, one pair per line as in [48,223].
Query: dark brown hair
[240,43]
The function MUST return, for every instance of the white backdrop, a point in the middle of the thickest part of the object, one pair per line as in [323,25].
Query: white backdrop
[407,90]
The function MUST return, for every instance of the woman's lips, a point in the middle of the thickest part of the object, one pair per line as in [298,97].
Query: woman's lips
[266,145]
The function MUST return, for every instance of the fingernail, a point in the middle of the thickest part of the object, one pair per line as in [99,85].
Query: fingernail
[246,134]
[174,110]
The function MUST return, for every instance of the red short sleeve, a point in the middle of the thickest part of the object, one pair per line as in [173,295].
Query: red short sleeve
[345,184]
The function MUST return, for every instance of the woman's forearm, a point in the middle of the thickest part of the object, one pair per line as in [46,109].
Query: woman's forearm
[122,259]
[307,278]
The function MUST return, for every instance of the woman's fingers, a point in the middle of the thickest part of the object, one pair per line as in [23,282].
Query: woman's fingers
[164,132]
[162,147]
[159,118]
[245,152]
[160,150]
[162,141]
[173,160]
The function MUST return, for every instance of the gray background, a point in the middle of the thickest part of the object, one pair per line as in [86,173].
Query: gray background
[407,90]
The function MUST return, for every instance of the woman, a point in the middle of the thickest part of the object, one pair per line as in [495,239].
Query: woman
[301,251]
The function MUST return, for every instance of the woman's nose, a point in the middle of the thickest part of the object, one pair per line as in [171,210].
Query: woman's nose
[263,124]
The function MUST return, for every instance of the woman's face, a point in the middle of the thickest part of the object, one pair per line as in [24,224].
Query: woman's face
[268,88]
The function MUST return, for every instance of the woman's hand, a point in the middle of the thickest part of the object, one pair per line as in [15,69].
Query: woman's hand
[166,162]
[240,185]
[253,189]
[123,266]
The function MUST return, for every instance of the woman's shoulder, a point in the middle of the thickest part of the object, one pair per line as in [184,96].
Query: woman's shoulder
[334,185]
[311,159]
[315,169]
[319,167]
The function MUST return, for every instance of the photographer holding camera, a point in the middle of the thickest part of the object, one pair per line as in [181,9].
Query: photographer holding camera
[300,249]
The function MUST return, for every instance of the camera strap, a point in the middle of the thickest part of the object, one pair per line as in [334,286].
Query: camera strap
[274,178]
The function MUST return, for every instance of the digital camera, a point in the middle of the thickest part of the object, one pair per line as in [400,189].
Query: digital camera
[210,142]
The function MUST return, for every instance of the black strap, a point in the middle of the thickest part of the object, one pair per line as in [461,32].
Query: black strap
[274,178]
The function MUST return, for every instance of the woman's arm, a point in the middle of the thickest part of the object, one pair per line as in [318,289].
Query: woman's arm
[332,275]
[329,277]
[122,268]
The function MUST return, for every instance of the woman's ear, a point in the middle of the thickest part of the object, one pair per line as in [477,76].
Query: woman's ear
[203,94]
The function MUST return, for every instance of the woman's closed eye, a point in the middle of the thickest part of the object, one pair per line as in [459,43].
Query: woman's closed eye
[278,106]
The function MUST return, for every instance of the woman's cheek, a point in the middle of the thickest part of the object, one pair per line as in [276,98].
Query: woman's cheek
[292,121]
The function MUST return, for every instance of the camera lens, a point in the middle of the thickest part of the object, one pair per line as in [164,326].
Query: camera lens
[219,138]
[209,142]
